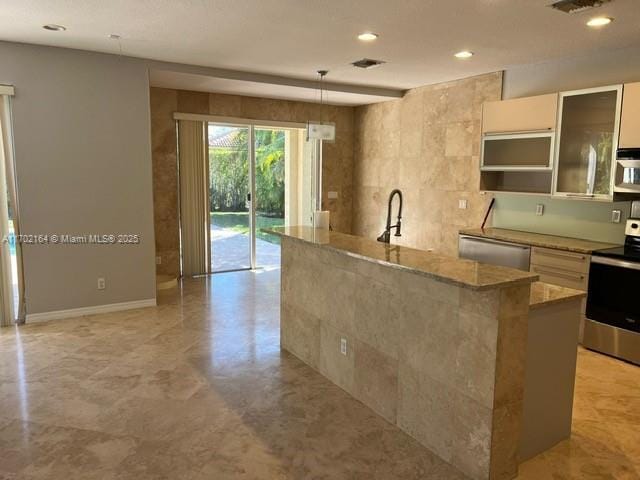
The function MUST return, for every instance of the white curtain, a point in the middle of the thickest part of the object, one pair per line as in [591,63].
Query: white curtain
[11,285]
[194,197]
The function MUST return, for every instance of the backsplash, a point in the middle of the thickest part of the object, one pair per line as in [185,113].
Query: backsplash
[568,218]
[428,145]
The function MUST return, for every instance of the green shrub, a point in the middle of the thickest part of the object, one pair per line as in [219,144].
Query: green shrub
[229,174]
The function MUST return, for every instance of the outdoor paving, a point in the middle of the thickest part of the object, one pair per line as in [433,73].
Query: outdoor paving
[230,251]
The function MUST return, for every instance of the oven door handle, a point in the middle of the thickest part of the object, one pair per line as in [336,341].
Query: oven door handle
[615,263]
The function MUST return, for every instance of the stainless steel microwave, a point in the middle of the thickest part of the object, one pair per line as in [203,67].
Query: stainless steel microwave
[627,173]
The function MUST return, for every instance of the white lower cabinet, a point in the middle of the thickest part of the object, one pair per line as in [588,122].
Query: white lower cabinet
[566,269]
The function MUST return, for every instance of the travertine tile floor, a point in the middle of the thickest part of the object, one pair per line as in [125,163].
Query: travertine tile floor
[198,388]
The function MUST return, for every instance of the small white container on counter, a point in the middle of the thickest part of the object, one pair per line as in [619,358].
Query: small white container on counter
[321,219]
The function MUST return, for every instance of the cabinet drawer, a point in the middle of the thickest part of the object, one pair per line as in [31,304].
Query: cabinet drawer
[563,278]
[560,260]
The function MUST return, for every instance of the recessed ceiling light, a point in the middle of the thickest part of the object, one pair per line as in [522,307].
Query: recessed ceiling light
[54,28]
[599,21]
[114,36]
[368,36]
[464,54]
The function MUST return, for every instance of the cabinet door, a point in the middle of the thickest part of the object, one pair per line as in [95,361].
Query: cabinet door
[587,141]
[517,151]
[630,123]
[520,114]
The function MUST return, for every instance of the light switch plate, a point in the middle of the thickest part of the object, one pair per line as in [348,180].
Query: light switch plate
[615,216]
[158,260]
[332,195]
[539,209]
[462,204]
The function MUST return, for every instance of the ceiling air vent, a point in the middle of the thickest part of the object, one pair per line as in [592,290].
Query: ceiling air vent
[367,63]
[575,6]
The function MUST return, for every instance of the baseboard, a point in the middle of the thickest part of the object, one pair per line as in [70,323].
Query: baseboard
[82,311]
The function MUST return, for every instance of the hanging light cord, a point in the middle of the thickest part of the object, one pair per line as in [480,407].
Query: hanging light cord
[321,75]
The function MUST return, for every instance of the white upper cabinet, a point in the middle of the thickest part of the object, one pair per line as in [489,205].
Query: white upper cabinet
[563,144]
[529,114]
[630,123]
[517,144]
[586,143]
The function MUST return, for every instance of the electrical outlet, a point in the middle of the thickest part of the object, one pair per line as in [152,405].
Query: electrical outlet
[158,260]
[462,204]
[343,346]
[332,195]
[615,216]
[539,209]
[101,283]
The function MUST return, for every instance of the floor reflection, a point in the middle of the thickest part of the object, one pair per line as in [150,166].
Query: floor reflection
[198,388]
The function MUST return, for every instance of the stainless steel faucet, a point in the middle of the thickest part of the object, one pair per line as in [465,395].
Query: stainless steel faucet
[386,235]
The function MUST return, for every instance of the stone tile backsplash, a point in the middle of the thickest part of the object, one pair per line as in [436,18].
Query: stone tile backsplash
[428,145]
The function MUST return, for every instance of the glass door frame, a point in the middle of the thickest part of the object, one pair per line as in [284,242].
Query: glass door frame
[614,145]
[208,121]
[251,125]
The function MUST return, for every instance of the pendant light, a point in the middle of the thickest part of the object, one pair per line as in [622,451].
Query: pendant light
[325,131]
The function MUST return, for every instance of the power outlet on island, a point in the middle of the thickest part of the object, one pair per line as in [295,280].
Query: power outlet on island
[343,346]
[615,216]
[539,209]
[101,283]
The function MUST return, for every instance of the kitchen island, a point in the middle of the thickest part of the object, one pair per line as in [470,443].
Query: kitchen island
[434,344]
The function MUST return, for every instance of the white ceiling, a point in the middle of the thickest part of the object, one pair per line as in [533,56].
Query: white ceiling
[294,38]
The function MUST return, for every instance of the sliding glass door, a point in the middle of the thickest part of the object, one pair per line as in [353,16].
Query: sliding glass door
[260,176]
[229,197]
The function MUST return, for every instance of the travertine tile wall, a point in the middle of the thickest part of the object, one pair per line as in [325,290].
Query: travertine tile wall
[428,145]
[337,172]
[444,363]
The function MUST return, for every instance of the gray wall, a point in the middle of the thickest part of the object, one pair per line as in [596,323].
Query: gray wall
[81,127]
[589,220]
[607,68]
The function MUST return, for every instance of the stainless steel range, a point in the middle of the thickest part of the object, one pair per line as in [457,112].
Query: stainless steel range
[613,303]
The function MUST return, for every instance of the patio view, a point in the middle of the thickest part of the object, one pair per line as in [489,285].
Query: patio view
[229,206]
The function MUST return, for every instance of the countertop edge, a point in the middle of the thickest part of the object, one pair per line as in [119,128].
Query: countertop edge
[476,232]
[528,280]
[556,301]
[568,295]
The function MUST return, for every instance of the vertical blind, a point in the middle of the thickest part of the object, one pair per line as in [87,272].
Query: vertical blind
[194,197]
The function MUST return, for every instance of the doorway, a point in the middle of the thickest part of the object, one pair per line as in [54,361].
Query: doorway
[260,176]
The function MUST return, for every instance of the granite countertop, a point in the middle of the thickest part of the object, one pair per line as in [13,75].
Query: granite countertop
[539,239]
[460,272]
[543,294]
